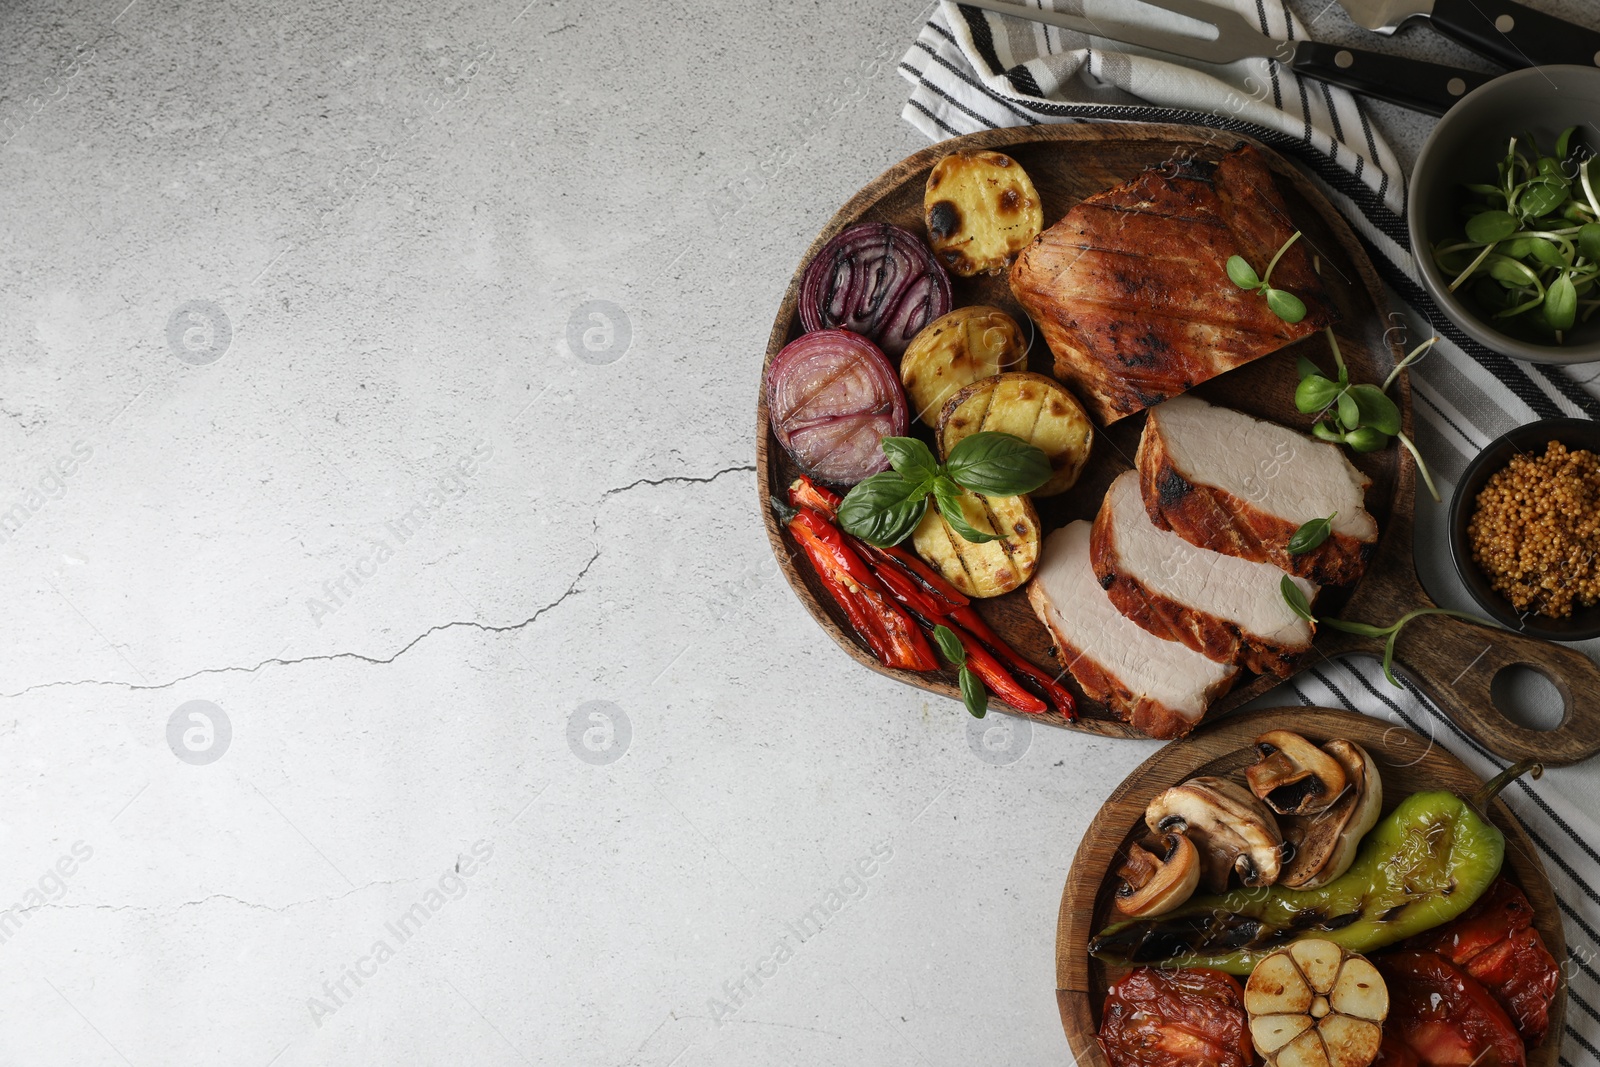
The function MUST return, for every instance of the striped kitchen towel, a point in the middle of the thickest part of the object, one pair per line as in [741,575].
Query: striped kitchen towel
[972,71]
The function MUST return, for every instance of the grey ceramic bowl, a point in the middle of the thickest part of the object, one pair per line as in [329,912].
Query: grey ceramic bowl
[1584,623]
[1464,147]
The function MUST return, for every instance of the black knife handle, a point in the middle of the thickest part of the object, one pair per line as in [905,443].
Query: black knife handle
[1515,35]
[1429,87]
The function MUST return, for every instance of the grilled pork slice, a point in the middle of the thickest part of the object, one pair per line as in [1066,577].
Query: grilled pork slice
[1159,687]
[1234,484]
[1131,288]
[1228,609]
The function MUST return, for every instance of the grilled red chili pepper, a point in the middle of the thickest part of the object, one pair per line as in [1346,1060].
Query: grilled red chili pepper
[995,676]
[1059,694]
[880,622]
[1495,942]
[931,595]
[1443,1015]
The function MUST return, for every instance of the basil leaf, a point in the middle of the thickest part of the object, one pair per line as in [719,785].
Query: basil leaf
[1242,273]
[1349,411]
[1589,242]
[1311,535]
[1286,305]
[1314,393]
[950,645]
[1295,599]
[1366,439]
[1488,227]
[1564,142]
[1561,303]
[948,496]
[911,458]
[997,464]
[973,694]
[884,509]
[1377,410]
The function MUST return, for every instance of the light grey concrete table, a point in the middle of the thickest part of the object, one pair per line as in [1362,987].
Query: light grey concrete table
[394,667]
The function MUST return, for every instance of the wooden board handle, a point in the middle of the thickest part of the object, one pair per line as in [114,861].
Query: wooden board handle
[1457,662]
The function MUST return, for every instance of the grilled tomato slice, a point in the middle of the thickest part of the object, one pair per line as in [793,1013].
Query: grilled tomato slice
[1445,1016]
[1161,1018]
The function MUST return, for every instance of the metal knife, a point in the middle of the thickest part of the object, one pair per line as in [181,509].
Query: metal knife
[1429,87]
[1504,31]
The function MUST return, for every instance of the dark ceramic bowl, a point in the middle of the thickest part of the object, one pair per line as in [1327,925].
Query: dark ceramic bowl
[1583,623]
[1465,147]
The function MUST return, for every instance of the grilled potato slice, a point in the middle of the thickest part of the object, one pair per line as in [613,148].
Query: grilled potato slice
[994,567]
[981,209]
[955,350]
[1035,408]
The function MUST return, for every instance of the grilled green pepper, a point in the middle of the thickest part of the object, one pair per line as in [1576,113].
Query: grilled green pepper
[1427,862]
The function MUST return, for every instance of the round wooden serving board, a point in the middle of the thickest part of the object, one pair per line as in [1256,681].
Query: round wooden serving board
[1455,661]
[1408,763]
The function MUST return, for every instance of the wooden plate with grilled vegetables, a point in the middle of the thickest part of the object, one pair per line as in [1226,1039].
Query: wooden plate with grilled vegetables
[1154,980]
[982,343]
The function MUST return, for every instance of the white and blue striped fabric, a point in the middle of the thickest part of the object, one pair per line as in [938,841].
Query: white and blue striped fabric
[972,71]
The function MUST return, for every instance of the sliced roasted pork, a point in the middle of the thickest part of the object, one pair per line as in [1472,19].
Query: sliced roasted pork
[1228,609]
[1239,485]
[1131,288]
[1159,687]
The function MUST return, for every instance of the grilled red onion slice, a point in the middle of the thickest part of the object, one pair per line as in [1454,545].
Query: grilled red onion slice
[832,397]
[876,280]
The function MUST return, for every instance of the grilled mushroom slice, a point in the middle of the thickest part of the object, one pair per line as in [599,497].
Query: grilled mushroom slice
[1294,777]
[1324,845]
[1159,875]
[1232,829]
[1313,1004]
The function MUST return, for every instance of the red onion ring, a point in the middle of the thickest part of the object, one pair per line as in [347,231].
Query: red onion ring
[877,280]
[832,397]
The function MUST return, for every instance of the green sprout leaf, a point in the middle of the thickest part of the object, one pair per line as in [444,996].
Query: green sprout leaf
[1242,274]
[1286,305]
[1323,432]
[1311,535]
[1376,409]
[1564,142]
[1349,411]
[1589,241]
[1561,303]
[1489,227]
[1540,199]
[1306,368]
[1314,393]
[1366,439]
